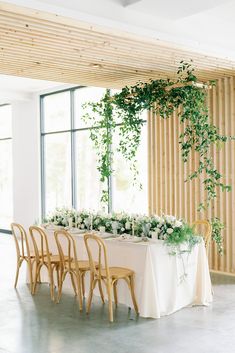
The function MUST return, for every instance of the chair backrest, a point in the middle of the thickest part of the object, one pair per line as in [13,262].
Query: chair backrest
[40,244]
[21,240]
[206,233]
[67,249]
[94,243]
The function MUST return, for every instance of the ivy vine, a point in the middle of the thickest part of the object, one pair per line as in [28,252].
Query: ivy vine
[217,227]
[100,116]
[162,97]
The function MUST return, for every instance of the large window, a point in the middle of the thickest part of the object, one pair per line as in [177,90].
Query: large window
[69,171]
[6,197]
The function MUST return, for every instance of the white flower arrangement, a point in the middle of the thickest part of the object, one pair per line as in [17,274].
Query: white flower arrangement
[166,227]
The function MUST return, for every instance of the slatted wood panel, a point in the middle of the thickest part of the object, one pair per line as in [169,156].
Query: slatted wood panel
[168,193]
[50,47]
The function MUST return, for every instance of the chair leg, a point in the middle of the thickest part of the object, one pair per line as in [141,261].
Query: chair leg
[19,262]
[88,308]
[115,293]
[37,272]
[73,283]
[58,275]
[109,292]
[131,278]
[30,274]
[101,290]
[50,274]
[39,275]
[83,283]
[78,276]
[62,277]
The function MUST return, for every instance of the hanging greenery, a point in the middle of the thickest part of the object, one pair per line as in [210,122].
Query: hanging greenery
[162,97]
[103,123]
[217,227]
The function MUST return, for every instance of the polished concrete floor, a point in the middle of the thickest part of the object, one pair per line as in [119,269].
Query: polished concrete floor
[36,325]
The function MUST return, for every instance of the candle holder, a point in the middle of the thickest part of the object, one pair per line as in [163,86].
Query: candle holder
[87,223]
[115,226]
[70,221]
[133,227]
[146,229]
[91,222]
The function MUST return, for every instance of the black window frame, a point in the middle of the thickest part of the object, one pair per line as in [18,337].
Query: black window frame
[72,132]
[2,230]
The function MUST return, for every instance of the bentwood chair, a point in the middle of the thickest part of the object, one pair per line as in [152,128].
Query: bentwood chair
[70,264]
[22,251]
[108,275]
[51,262]
[206,232]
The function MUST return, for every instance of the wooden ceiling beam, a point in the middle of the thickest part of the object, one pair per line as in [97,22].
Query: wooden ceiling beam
[50,47]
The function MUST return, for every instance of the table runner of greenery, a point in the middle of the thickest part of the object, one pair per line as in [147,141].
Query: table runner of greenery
[173,231]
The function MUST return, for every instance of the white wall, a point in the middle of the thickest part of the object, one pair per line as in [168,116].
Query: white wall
[26,153]
[26,160]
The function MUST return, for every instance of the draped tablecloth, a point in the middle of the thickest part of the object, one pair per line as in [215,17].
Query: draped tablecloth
[164,283]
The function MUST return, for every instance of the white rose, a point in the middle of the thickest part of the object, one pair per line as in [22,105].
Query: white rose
[82,226]
[178,224]
[157,218]
[119,217]
[79,220]
[170,230]
[169,219]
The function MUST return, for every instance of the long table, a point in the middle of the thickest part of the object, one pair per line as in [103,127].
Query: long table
[164,283]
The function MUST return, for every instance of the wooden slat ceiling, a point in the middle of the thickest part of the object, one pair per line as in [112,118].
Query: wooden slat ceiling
[49,47]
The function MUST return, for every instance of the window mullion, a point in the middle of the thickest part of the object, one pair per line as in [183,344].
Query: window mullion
[110,182]
[73,156]
[42,146]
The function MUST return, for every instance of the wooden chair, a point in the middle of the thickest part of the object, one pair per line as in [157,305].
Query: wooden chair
[71,265]
[207,232]
[51,262]
[108,275]
[23,252]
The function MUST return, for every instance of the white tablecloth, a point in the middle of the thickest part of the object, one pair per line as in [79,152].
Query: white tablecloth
[163,283]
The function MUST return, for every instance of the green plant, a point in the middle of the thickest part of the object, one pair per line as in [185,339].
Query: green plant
[101,117]
[217,227]
[163,97]
[174,232]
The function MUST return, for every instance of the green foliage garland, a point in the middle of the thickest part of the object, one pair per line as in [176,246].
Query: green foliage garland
[103,123]
[217,227]
[163,97]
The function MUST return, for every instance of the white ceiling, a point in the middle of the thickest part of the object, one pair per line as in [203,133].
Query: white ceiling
[171,9]
[13,88]
[26,85]
[206,26]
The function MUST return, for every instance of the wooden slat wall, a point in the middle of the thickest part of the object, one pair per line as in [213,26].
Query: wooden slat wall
[168,193]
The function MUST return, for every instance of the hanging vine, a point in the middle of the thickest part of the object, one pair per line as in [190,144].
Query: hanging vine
[162,97]
[100,116]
